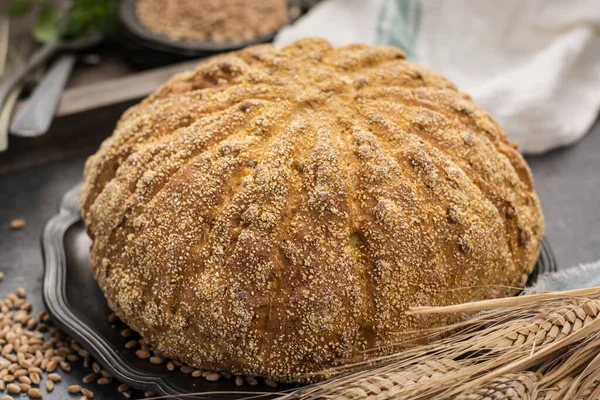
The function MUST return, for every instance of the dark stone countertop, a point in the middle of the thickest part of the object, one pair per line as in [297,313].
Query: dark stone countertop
[567,180]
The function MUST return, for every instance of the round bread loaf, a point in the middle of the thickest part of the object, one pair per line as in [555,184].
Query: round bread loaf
[275,211]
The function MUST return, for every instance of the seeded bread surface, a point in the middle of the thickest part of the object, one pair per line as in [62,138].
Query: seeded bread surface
[275,212]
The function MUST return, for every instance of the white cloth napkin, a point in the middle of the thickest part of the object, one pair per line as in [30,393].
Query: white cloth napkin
[534,65]
[579,277]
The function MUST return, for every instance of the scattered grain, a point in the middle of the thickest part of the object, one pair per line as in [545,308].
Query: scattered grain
[132,344]
[54,377]
[89,378]
[251,381]
[212,376]
[74,389]
[104,381]
[12,388]
[127,333]
[270,383]
[123,387]
[156,360]
[143,354]
[17,223]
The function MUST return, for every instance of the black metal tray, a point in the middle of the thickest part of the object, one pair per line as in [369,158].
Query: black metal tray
[77,306]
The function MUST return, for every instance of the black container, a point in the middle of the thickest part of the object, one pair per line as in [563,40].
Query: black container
[146,49]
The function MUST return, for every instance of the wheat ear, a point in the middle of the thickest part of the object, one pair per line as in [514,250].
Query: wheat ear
[519,386]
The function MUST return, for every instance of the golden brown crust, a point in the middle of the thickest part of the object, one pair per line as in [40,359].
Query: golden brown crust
[274,212]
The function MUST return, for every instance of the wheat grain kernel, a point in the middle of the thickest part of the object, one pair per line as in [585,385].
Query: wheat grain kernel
[132,344]
[24,387]
[106,373]
[251,381]
[186,369]
[21,293]
[65,366]
[87,393]
[170,366]
[74,389]
[128,394]
[35,378]
[54,377]
[89,378]
[7,397]
[104,381]
[127,333]
[20,373]
[149,393]
[51,367]
[143,354]
[96,367]
[50,385]
[31,324]
[197,373]
[212,376]
[35,393]
[12,388]
[17,223]
[123,387]
[270,383]
[156,360]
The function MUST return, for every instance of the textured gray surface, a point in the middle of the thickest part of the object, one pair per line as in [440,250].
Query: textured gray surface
[567,180]
[568,183]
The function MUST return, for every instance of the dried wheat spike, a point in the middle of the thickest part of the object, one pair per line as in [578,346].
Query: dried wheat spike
[388,385]
[552,326]
[557,391]
[520,386]
[590,392]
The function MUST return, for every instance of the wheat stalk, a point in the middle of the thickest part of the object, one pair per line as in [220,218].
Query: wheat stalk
[554,333]
[517,386]
[575,374]
[387,384]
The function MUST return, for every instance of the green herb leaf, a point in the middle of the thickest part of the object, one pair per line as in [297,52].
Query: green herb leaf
[47,26]
[91,16]
[18,8]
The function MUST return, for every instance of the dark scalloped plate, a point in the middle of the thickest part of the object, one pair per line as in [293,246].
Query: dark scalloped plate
[77,306]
